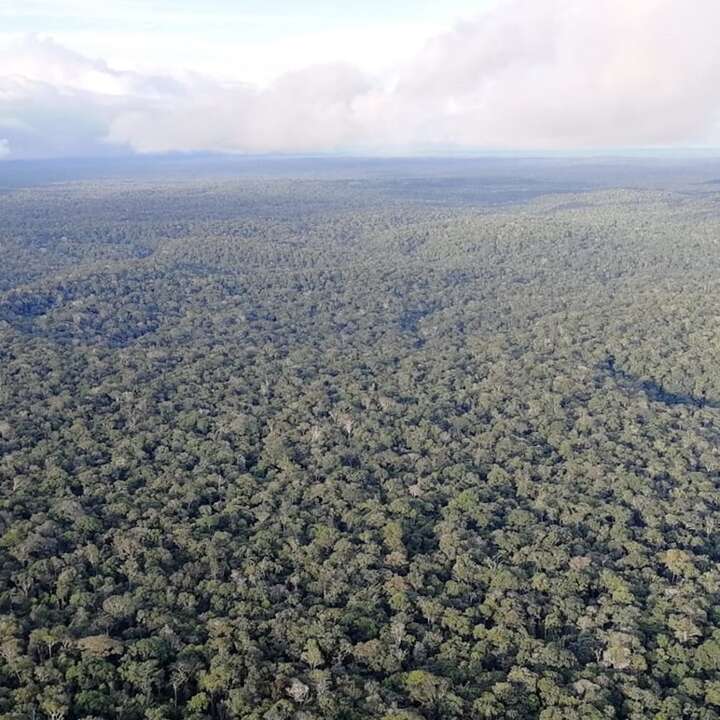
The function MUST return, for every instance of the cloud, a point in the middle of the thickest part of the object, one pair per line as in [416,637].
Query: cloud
[559,73]
[54,102]
[541,74]
[309,110]
[4,148]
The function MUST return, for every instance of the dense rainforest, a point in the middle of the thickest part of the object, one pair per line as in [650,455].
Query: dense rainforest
[297,449]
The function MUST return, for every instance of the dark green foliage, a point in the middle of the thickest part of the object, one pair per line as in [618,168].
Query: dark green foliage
[272,451]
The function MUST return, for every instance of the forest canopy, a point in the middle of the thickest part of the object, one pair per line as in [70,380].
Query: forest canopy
[347,448]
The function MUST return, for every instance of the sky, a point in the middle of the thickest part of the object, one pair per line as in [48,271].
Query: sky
[89,78]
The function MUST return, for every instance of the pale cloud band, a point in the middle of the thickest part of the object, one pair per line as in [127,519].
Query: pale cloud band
[540,74]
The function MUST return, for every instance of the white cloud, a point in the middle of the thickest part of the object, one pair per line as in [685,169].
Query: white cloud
[4,148]
[527,74]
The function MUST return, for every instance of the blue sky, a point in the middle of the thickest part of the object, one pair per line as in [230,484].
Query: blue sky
[92,77]
[68,15]
[278,34]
